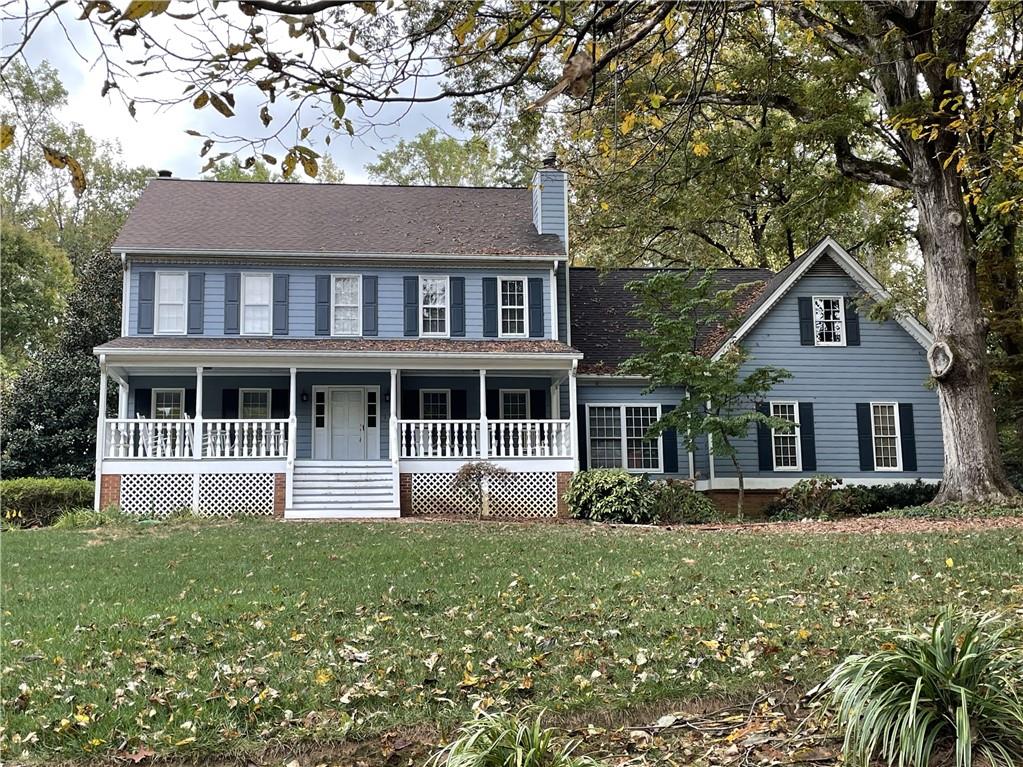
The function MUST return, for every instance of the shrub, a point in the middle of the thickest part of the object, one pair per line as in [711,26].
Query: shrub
[877,498]
[955,511]
[470,477]
[610,495]
[815,498]
[676,502]
[81,519]
[509,740]
[952,689]
[34,502]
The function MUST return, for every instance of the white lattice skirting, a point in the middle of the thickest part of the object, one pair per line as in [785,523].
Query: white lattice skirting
[519,495]
[220,495]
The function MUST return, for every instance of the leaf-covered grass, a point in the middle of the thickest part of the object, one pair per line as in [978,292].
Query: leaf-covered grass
[202,638]
[955,511]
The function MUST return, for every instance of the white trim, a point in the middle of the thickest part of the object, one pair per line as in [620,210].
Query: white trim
[853,268]
[188,466]
[780,483]
[269,402]
[126,296]
[794,433]
[152,401]
[442,465]
[447,305]
[320,256]
[447,395]
[659,469]
[157,330]
[500,401]
[898,437]
[554,303]
[841,320]
[333,304]
[269,307]
[371,441]
[501,308]
[611,379]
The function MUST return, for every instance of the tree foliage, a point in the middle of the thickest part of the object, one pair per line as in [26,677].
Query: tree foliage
[433,159]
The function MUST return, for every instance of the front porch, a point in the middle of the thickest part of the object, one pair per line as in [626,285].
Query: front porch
[331,442]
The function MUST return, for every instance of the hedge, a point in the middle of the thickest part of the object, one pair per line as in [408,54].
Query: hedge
[34,502]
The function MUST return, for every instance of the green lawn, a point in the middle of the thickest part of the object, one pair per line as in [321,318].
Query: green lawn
[194,639]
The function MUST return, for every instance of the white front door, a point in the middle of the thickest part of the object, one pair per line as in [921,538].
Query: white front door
[347,424]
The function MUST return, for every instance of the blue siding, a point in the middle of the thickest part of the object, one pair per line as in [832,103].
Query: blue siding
[301,303]
[549,213]
[889,365]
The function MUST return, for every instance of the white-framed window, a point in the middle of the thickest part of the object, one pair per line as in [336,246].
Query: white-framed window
[785,444]
[828,321]
[257,297]
[171,298]
[168,404]
[254,403]
[435,404]
[514,404]
[511,297]
[346,306]
[615,435]
[886,436]
[433,306]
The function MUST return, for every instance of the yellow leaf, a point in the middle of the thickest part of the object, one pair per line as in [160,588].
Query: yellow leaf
[139,8]
[6,136]
[701,149]
[185,741]
[656,121]
[605,206]
[950,563]
[82,718]
[55,157]
[323,676]
[628,123]
[201,100]
[803,634]
[310,167]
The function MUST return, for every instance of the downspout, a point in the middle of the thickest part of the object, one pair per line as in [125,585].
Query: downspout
[124,293]
[710,457]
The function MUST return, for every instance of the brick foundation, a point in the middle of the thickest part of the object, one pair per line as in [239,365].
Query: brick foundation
[109,490]
[754,501]
[280,494]
[405,494]
[564,477]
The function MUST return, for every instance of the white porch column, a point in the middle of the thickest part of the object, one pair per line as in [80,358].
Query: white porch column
[101,429]
[573,415]
[556,400]
[484,428]
[394,449]
[122,399]
[197,433]
[289,474]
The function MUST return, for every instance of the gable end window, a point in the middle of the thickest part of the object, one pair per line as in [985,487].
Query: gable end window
[512,298]
[886,436]
[616,437]
[785,445]
[347,305]
[171,295]
[828,321]
[433,306]
[257,296]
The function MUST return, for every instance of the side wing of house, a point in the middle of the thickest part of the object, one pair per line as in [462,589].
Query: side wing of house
[858,390]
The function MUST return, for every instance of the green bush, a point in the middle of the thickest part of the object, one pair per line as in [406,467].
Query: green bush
[36,502]
[676,502]
[81,519]
[924,696]
[610,495]
[817,497]
[955,511]
[877,498]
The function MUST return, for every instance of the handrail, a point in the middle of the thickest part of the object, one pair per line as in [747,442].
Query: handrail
[156,438]
[533,438]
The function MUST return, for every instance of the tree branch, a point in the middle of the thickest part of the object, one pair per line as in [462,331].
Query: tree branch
[871,171]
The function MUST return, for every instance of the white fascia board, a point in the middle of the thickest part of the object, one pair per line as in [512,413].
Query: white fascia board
[781,483]
[208,255]
[609,378]
[851,267]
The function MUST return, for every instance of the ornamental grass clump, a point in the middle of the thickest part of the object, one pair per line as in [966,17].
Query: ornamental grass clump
[948,695]
[510,740]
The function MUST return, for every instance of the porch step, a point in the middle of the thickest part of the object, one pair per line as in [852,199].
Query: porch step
[332,489]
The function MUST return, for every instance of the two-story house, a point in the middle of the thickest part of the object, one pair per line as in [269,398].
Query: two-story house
[342,350]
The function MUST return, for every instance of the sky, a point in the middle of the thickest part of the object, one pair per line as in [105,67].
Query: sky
[157,139]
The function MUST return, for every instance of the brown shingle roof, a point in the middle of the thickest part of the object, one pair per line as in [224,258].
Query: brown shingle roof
[398,345]
[243,217]
[602,321]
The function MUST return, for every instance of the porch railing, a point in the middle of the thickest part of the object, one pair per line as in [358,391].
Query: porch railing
[505,439]
[175,438]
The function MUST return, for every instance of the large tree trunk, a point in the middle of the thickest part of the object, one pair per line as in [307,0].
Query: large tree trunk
[973,465]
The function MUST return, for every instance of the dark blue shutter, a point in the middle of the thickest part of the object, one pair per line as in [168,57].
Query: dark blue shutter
[147,295]
[539,400]
[805,321]
[490,307]
[409,404]
[907,432]
[459,404]
[864,436]
[229,403]
[669,439]
[458,306]
[196,294]
[144,402]
[322,310]
[536,307]
[493,403]
[369,305]
[411,291]
[583,456]
[190,403]
[280,403]
[280,297]
[852,324]
[765,451]
[807,437]
[232,302]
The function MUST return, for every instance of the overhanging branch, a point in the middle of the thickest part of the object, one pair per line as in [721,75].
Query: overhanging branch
[871,171]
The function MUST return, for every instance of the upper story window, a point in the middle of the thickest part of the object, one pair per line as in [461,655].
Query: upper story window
[347,305]
[884,417]
[171,293]
[617,437]
[785,444]
[512,297]
[257,294]
[168,403]
[433,305]
[828,321]
[254,403]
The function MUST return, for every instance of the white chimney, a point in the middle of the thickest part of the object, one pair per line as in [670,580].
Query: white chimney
[550,200]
